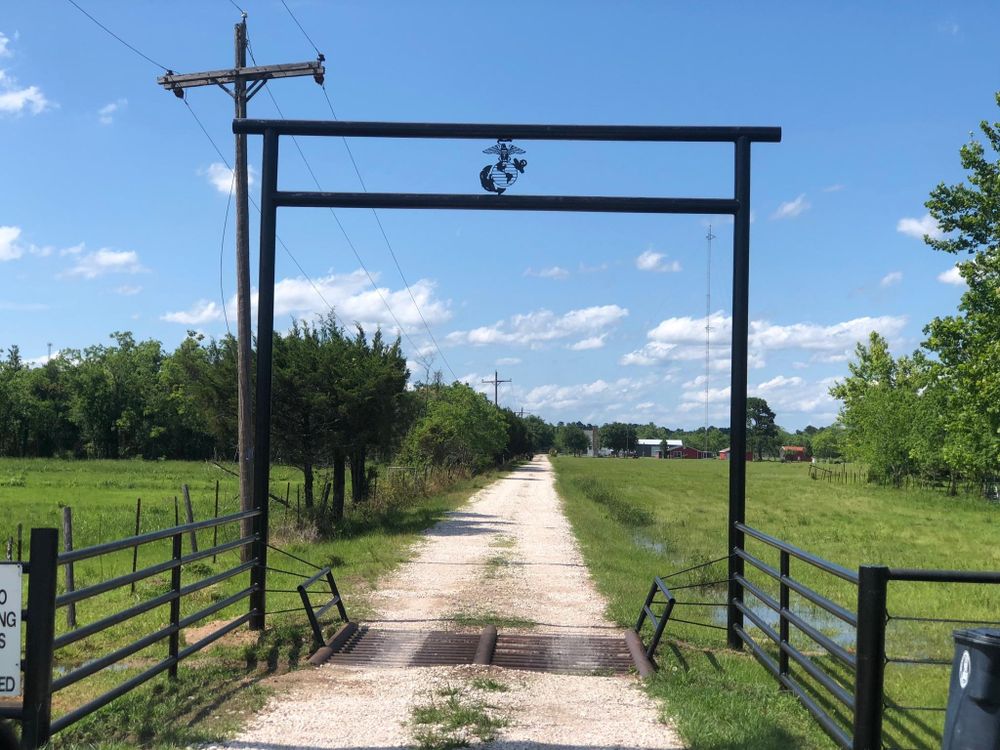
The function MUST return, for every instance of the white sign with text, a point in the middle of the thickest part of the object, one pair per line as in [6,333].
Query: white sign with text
[10,630]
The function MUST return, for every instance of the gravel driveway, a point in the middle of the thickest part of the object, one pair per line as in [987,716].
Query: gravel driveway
[508,554]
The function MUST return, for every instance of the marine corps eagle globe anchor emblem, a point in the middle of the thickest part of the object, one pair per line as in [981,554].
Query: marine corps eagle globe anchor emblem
[498,177]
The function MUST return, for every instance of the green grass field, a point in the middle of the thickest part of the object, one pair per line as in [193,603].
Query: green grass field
[203,705]
[640,518]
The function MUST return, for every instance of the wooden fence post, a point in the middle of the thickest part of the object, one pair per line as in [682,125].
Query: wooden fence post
[135,549]
[215,529]
[190,516]
[68,547]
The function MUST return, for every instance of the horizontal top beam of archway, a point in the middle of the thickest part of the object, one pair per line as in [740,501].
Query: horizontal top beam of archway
[661,133]
[484,202]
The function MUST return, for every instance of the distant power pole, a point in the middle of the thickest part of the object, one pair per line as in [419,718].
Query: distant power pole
[496,387]
[239,76]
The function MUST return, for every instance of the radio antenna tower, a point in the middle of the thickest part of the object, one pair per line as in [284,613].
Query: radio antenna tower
[708,325]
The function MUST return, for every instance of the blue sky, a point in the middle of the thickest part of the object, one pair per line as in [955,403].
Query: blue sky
[112,199]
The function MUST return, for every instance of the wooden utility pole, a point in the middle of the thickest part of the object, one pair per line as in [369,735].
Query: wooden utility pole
[239,76]
[496,387]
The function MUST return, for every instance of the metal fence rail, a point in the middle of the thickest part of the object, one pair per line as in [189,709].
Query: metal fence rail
[43,602]
[659,623]
[880,707]
[788,655]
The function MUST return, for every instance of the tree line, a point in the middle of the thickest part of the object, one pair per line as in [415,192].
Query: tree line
[764,436]
[340,399]
[935,413]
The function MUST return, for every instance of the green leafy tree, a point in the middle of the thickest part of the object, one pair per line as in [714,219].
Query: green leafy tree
[762,432]
[458,428]
[828,443]
[619,437]
[968,344]
[572,439]
[541,433]
[880,397]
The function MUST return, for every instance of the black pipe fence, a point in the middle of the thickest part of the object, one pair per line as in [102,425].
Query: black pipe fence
[42,643]
[919,726]
[829,693]
[841,678]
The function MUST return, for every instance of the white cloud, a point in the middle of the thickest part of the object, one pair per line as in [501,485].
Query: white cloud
[75,250]
[16,100]
[653,261]
[106,114]
[798,396]
[10,249]
[221,177]
[508,361]
[952,276]
[683,338]
[4,42]
[791,209]
[925,225]
[128,290]
[105,261]
[355,299]
[199,313]
[835,188]
[537,328]
[593,342]
[555,272]
[892,278]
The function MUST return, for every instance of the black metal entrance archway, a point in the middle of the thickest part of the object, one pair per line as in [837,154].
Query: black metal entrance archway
[738,206]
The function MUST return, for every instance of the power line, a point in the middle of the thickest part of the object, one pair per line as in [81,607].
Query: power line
[378,220]
[340,224]
[222,252]
[113,34]
[300,28]
[388,244]
[257,207]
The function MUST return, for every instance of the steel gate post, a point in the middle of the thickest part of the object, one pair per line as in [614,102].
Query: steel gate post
[174,642]
[738,388]
[41,631]
[785,604]
[869,673]
[262,417]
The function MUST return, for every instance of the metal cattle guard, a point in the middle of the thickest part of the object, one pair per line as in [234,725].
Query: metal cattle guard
[738,206]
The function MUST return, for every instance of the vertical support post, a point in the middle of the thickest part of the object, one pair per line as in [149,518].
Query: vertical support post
[317,629]
[244,351]
[783,601]
[41,631]
[189,511]
[215,529]
[336,595]
[870,657]
[265,332]
[738,388]
[175,604]
[67,522]
[135,549]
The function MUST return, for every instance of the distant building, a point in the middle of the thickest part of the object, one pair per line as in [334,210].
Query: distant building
[793,453]
[594,450]
[653,447]
[724,454]
[686,451]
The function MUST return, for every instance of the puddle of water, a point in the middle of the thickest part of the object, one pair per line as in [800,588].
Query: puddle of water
[644,542]
[833,627]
